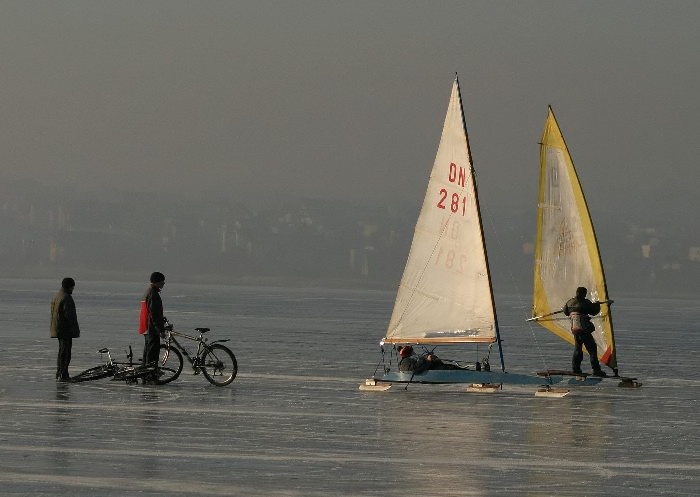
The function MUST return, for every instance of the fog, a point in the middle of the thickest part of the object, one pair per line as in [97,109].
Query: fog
[260,101]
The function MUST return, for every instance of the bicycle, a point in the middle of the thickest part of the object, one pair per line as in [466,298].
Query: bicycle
[216,362]
[127,371]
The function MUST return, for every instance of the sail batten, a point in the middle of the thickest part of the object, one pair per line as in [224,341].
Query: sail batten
[445,293]
[438,340]
[566,250]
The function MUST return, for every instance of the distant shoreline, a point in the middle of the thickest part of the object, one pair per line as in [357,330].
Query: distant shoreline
[249,281]
[279,282]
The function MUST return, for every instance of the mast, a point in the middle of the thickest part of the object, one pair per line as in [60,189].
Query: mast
[611,361]
[567,254]
[481,227]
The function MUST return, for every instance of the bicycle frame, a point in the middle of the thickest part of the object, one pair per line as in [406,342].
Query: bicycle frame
[117,370]
[112,362]
[202,346]
[216,362]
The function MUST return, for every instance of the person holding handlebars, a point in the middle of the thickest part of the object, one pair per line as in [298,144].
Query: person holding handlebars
[156,321]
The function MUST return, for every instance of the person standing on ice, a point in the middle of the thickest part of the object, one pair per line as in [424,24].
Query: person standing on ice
[580,309]
[64,326]
[155,321]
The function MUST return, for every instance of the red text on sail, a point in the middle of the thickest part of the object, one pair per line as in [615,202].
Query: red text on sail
[454,201]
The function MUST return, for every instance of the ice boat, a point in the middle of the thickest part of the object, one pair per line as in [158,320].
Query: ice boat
[566,251]
[445,296]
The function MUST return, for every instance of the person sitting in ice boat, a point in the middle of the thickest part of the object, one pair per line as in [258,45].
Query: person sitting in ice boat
[413,363]
[580,310]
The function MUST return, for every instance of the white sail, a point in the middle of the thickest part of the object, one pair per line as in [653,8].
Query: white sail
[445,294]
[566,252]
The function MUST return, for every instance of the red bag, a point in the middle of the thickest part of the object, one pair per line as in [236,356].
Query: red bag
[143,318]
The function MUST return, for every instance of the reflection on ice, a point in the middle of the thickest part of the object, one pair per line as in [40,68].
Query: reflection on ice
[294,423]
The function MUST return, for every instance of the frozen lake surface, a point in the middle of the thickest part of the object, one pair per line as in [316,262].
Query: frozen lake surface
[294,422]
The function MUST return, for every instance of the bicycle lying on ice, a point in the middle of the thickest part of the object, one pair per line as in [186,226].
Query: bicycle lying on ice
[127,371]
[215,361]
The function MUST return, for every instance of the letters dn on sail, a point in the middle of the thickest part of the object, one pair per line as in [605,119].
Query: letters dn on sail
[456,203]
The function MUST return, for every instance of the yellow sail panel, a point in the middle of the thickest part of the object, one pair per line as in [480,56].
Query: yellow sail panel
[566,250]
[445,291]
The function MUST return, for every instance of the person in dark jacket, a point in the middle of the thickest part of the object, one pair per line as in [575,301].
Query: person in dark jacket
[64,326]
[156,321]
[411,362]
[580,309]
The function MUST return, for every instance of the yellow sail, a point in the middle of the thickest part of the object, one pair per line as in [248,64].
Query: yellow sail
[566,251]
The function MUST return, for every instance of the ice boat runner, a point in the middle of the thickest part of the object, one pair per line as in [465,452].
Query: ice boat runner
[445,295]
[566,250]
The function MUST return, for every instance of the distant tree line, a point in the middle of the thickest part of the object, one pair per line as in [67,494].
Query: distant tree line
[116,235]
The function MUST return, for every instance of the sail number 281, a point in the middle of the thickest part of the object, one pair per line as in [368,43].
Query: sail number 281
[455,202]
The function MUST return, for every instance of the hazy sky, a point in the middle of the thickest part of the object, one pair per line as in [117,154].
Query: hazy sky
[347,98]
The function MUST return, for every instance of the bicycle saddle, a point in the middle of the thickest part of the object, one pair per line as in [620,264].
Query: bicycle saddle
[201,330]
[103,351]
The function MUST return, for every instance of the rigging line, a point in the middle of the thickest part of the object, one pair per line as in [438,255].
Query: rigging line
[420,277]
[381,361]
[520,298]
[409,381]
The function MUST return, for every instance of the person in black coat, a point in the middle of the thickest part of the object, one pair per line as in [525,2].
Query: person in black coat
[156,320]
[411,362]
[580,310]
[64,326]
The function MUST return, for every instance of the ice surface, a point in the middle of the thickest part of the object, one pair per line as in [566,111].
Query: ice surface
[294,422]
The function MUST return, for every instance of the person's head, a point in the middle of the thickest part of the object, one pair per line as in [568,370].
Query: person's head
[68,284]
[405,351]
[157,279]
[581,292]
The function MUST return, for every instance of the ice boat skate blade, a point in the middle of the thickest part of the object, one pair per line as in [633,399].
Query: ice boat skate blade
[371,385]
[484,387]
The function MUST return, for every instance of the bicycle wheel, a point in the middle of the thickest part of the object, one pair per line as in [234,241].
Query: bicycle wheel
[169,364]
[96,373]
[219,365]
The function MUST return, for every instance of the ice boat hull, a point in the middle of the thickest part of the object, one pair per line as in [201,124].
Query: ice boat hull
[469,377]
[586,379]
[438,376]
